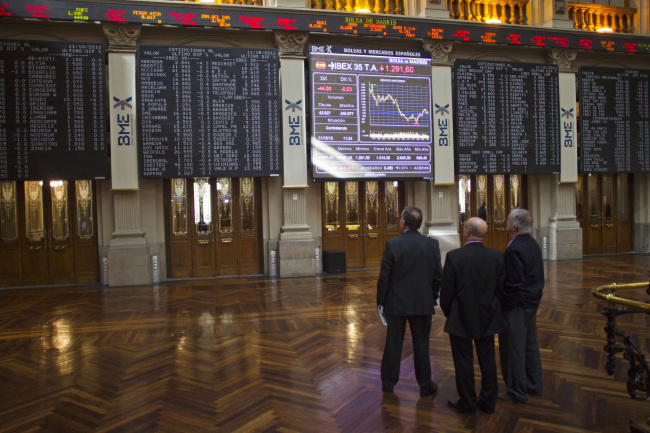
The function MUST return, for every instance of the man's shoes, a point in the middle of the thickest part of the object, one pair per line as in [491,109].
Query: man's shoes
[484,407]
[428,392]
[459,407]
[386,390]
[510,399]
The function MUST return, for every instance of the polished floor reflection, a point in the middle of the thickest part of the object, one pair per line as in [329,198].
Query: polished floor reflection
[294,355]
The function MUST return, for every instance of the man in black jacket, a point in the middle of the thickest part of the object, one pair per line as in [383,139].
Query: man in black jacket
[521,363]
[472,281]
[407,289]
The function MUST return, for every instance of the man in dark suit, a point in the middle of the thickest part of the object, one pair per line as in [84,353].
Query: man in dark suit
[472,281]
[521,363]
[408,288]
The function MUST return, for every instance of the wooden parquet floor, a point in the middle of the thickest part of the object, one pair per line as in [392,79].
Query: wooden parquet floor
[293,355]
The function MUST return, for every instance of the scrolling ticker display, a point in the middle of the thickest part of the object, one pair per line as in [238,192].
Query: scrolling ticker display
[507,118]
[371,113]
[52,111]
[320,21]
[614,120]
[208,112]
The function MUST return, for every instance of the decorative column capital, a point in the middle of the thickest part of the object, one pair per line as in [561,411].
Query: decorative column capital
[439,50]
[291,42]
[122,37]
[562,58]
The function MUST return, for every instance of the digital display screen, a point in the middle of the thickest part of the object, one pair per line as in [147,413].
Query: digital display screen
[208,112]
[371,113]
[507,118]
[52,111]
[321,21]
[614,120]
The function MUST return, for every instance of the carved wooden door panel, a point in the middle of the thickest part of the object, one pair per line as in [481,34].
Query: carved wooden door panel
[202,231]
[10,223]
[352,228]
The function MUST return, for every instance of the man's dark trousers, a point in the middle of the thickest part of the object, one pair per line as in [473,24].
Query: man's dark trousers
[390,363]
[463,355]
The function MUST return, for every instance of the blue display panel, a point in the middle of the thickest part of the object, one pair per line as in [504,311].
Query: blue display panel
[371,113]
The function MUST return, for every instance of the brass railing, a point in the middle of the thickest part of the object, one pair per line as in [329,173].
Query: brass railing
[507,12]
[588,16]
[390,7]
[639,371]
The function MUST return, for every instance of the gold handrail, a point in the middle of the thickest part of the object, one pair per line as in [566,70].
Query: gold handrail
[599,292]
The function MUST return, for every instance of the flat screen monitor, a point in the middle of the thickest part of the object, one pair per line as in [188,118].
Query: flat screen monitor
[371,113]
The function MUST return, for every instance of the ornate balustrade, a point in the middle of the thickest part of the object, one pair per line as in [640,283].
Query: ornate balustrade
[510,12]
[639,371]
[588,16]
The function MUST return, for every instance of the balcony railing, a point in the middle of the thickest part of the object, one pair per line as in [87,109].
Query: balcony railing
[507,12]
[391,7]
[639,371]
[587,16]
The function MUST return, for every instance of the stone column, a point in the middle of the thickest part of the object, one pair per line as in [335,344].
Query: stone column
[554,13]
[442,204]
[564,239]
[296,247]
[128,253]
[429,8]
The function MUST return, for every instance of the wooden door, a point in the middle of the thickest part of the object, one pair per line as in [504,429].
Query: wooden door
[603,208]
[48,233]
[361,223]
[352,226]
[238,226]
[213,227]
[608,213]
[623,212]
[179,210]
[10,244]
[47,251]
[84,232]
[201,231]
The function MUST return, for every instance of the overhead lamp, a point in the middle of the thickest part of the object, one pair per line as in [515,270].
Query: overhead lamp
[493,21]
[362,10]
[605,30]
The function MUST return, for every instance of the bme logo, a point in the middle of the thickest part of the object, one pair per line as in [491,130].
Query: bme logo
[123,121]
[294,122]
[443,125]
[568,127]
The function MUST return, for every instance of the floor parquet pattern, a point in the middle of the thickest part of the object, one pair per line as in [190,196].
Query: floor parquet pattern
[293,355]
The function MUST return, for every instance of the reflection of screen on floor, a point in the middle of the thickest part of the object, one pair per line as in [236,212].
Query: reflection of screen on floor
[381,314]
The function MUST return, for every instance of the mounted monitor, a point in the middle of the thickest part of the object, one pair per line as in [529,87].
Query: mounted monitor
[208,111]
[614,120]
[371,113]
[507,118]
[52,111]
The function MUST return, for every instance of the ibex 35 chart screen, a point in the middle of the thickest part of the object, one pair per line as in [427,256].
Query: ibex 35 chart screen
[371,114]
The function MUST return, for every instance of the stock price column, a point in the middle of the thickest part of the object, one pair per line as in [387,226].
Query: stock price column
[507,118]
[208,112]
[52,111]
[614,120]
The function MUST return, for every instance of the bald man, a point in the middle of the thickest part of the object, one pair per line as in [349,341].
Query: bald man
[471,286]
